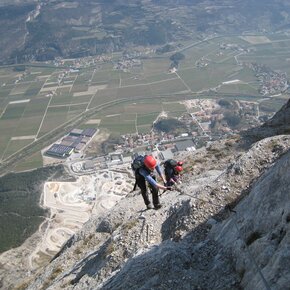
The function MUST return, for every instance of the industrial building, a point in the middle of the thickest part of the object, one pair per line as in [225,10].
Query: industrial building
[74,142]
[185,145]
[58,150]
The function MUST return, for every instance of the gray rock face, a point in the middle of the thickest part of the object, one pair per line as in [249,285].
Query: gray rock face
[258,233]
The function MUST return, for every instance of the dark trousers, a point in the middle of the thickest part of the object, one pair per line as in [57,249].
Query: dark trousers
[141,182]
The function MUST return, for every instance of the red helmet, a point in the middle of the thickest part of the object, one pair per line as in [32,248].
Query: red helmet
[179,163]
[150,162]
[178,168]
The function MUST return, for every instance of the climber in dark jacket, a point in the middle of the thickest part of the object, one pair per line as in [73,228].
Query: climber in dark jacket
[145,173]
[172,170]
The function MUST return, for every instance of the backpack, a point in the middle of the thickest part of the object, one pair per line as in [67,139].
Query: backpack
[168,166]
[137,163]
[170,163]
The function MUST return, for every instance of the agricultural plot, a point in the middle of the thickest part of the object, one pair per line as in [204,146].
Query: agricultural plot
[7,129]
[28,126]
[4,141]
[81,99]
[31,118]
[231,39]
[271,60]
[34,89]
[8,77]
[35,107]
[146,119]
[114,83]
[168,87]
[105,76]
[155,66]
[274,54]
[131,117]
[50,85]
[61,99]
[138,80]
[42,70]
[4,101]
[122,118]
[103,96]
[34,161]
[194,53]
[120,123]
[13,111]
[63,89]
[10,122]
[75,110]
[54,117]
[20,89]
[110,65]
[15,145]
[30,77]
[221,57]
[245,75]
[134,91]
[133,81]
[82,80]
[173,107]
[208,77]
[256,39]
[240,88]
[161,77]
[79,87]
[145,107]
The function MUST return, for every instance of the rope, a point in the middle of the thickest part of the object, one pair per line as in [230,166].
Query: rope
[250,256]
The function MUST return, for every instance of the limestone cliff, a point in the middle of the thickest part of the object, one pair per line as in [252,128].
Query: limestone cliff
[226,227]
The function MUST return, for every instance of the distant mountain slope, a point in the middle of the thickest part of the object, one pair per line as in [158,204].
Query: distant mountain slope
[79,28]
[12,29]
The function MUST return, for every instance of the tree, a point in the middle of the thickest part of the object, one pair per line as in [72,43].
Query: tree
[224,103]
[232,119]
[178,56]
[169,125]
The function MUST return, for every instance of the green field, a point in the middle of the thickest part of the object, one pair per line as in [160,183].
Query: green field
[120,123]
[36,101]
[208,77]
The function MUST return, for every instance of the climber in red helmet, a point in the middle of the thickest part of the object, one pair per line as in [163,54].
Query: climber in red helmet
[172,170]
[144,167]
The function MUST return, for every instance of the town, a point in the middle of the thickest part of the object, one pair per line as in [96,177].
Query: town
[210,122]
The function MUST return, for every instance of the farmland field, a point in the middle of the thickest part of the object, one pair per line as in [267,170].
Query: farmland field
[120,123]
[205,78]
[38,99]
[240,88]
